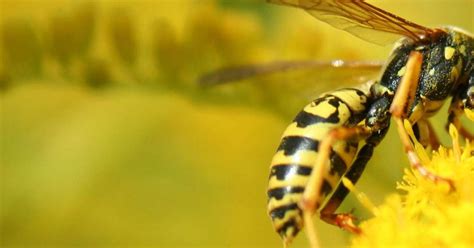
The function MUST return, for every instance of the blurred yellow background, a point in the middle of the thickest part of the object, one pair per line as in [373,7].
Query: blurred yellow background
[106,140]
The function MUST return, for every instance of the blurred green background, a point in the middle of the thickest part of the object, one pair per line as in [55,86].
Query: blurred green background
[106,140]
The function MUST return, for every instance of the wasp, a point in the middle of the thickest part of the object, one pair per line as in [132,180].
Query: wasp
[335,135]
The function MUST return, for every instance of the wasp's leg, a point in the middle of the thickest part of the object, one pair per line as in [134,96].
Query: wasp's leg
[433,137]
[312,194]
[413,158]
[405,95]
[345,220]
[401,102]
[456,110]
[425,134]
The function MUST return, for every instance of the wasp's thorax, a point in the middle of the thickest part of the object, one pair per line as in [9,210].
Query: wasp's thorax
[446,69]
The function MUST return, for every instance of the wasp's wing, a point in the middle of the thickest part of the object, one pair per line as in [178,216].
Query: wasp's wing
[285,87]
[362,19]
[236,73]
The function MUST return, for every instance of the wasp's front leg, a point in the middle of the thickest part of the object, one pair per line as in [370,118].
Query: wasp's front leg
[400,105]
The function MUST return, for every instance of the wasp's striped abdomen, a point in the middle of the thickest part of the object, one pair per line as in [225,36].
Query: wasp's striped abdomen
[293,163]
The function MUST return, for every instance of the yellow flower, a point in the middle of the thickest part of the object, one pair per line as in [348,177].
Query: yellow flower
[427,214]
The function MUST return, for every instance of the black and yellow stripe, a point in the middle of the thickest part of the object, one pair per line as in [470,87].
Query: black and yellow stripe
[298,150]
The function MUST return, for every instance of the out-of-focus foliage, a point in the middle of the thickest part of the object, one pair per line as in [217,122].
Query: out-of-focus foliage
[20,50]
[107,140]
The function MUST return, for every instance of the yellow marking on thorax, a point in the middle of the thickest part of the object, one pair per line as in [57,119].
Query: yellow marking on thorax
[449,52]
[352,99]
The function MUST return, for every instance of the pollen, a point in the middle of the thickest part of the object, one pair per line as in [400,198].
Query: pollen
[424,213]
